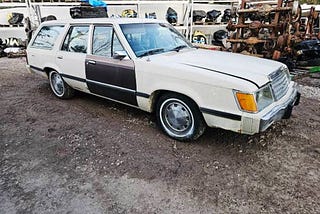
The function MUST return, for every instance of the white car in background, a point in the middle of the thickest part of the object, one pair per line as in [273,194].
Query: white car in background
[149,65]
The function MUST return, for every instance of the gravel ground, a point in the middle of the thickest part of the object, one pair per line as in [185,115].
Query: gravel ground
[89,155]
[310,92]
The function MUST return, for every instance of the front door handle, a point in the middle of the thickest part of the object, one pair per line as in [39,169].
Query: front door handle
[92,62]
[60,57]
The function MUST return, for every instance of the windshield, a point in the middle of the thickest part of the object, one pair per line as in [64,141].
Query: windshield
[153,38]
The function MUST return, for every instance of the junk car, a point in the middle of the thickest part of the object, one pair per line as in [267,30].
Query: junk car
[149,65]
[308,52]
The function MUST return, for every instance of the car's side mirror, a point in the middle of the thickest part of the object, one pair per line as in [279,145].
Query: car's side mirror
[119,55]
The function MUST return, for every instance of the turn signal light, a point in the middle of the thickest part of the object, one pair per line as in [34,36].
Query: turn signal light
[247,102]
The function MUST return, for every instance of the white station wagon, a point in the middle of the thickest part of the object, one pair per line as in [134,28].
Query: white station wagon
[149,65]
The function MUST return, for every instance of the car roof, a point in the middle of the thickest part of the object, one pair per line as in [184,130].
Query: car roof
[104,21]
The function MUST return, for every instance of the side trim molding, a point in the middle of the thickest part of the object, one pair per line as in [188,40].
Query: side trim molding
[36,68]
[111,86]
[140,94]
[73,77]
[221,114]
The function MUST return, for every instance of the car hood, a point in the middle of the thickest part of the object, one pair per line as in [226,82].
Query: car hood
[253,69]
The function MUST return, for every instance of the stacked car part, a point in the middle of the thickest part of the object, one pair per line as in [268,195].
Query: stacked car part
[171,16]
[15,18]
[87,11]
[129,13]
[11,47]
[213,15]
[270,30]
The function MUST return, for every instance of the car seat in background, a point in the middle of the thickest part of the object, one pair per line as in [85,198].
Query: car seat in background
[213,15]
[172,16]
[227,15]
[198,15]
[151,15]
[129,13]
[15,18]
[219,36]
[199,37]
[48,18]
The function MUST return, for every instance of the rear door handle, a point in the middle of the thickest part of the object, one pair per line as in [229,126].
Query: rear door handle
[60,57]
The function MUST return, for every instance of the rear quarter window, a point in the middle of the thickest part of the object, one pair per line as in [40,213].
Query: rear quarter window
[47,37]
[76,39]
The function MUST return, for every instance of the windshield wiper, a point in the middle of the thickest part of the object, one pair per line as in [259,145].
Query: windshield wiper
[178,48]
[151,52]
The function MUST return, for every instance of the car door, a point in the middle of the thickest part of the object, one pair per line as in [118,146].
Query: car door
[41,49]
[72,54]
[108,72]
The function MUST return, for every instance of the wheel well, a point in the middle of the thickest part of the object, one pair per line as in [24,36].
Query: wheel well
[47,70]
[157,94]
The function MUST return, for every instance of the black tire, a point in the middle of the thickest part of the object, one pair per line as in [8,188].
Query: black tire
[179,117]
[59,87]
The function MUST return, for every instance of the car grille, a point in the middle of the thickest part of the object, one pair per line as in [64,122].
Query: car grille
[279,82]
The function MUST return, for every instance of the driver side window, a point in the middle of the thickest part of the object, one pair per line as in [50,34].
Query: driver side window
[105,41]
[76,39]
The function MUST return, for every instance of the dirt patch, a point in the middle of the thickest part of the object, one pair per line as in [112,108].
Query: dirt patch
[90,155]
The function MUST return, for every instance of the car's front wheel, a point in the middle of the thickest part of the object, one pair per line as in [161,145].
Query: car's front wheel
[179,117]
[59,87]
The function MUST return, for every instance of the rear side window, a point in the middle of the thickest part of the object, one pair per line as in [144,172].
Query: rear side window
[76,39]
[47,37]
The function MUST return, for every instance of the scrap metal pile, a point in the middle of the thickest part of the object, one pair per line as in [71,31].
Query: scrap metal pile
[279,31]
[12,47]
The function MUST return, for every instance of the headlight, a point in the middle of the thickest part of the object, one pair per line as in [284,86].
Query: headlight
[264,97]
[255,102]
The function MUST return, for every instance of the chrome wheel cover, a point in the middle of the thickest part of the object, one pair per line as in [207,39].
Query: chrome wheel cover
[176,117]
[57,84]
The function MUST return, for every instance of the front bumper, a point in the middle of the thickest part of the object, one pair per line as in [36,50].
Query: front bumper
[249,123]
[282,111]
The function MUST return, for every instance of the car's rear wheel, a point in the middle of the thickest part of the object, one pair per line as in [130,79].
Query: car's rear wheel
[59,87]
[179,117]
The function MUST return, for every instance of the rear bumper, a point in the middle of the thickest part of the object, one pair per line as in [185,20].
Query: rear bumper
[36,70]
[29,69]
